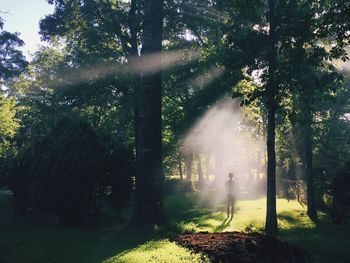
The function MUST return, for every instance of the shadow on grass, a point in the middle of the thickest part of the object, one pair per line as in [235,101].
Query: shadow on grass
[61,244]
[227,221]
[325,241]
[289,218]
[187,210]
[25,241]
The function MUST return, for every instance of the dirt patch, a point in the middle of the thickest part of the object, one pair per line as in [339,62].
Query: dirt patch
[239,247]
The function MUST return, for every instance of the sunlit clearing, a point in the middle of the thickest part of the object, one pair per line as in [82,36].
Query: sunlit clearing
[157,251]
[145,64]
[249,215]
[226,140]
[207,77]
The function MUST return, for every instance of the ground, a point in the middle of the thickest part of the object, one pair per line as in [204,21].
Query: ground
[21,241]
[240,247]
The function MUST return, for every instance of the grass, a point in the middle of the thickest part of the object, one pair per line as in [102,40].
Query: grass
[20,242]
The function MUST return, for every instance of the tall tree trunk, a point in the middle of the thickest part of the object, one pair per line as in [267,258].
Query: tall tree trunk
[206,161]
[258,161]
[311,204]
[121,129]
[179,160]
[199,171]
[149,172]
[271,216]
[135,86]
[33,140]
[188,160]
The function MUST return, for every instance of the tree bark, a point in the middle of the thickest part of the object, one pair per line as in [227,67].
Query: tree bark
[271,215]
[149,172]
[311,204]
[33,140]
[199,171]
[179,160]
[206,161]
[121,129]
[189,159]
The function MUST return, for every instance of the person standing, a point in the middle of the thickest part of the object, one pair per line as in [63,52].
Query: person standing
[231,195]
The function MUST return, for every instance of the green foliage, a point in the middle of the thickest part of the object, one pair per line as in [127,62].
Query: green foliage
[12,61]
[9,127]
[67,171]
[9,124]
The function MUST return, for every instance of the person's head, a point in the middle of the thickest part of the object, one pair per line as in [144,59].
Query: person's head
[230,175]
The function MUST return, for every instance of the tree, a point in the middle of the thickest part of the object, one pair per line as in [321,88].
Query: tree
[254,37]
[149,174]
[9,124]
[271,88]
[12,61]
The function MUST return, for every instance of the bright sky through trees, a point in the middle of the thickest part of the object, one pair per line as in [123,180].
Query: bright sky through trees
[23,16]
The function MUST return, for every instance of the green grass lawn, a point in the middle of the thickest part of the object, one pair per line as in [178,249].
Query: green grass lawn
[30,243]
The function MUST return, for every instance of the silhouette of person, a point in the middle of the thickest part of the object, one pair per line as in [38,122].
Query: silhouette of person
[231,195]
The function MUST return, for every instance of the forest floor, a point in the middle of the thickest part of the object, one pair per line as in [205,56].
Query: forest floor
[21,241]
[240,247]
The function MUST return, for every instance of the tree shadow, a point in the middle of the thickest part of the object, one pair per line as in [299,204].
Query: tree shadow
[315,219]
[325,241]
[227,221]
[290,219]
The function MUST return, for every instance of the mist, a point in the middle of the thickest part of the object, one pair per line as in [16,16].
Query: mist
[221,142]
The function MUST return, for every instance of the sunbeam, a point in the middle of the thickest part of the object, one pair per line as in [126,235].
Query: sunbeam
[205,12]
[207,77]
[145,64]
[230,148]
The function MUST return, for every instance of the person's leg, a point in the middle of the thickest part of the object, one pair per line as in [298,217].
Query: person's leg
[228,206]
[232,206]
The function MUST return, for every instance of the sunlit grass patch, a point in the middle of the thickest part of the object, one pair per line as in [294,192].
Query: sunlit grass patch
[157,251]
[249,214]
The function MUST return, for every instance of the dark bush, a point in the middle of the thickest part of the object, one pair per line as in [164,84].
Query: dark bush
[121,170]
[341,193]
[20,182]
[173,186]
[67,171]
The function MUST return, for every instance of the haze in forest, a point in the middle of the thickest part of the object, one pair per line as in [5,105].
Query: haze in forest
[222,141]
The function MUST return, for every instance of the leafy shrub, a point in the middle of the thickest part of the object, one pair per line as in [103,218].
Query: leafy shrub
[121,171]
[20,181]
[67,171]
[173,186]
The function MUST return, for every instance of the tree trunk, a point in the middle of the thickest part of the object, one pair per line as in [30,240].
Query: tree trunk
[135,86]
[271,216]
[179,160]
[206,161]
[199,171]
[121,129]
[258,161]
[149,172]
[33,140]
[311,204]
[189,159]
